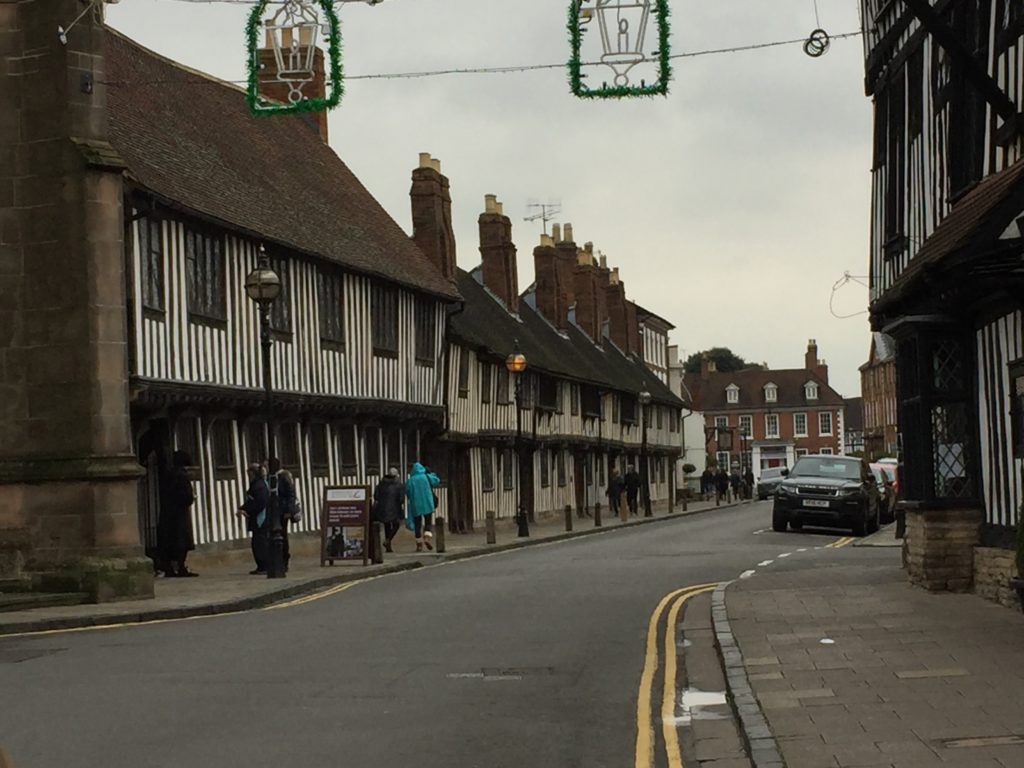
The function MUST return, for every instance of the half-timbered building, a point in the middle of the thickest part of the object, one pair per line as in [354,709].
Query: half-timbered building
[579,414]
[947,81]
[358,355]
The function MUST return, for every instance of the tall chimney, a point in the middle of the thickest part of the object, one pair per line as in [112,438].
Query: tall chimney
[556,232]
[545,259]
[432,214]
[498,253]
[565,264]
[707,367]
[618,323]
[278,91]
[812,363]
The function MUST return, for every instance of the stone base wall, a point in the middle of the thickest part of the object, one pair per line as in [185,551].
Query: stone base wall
[940,548]
[993,569]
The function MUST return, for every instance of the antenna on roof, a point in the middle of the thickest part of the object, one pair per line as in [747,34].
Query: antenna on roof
[547,212]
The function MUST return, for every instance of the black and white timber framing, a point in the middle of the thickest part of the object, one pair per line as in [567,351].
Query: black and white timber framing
[947,246]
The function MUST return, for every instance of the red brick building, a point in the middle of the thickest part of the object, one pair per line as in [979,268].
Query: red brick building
[878,388]
[759,419]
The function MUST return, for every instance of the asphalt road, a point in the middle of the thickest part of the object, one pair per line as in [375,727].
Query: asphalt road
[526,658]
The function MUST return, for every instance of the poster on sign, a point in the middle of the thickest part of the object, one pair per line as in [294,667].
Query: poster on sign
[345,524]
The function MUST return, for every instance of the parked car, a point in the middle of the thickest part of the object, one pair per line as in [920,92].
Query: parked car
[888,487]
[768,482]
[835,491]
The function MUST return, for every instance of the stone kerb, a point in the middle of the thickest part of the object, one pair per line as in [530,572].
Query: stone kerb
[993,569]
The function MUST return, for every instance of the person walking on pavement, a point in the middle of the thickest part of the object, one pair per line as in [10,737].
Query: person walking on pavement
[614,492]
[288,506]
[707,483]
[388,503]
[721,483]
[419,512]
[737,484]
[254,510]
[748,483]
[174,528]
[632,481]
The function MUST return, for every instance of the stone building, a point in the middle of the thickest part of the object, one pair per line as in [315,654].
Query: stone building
[878,390]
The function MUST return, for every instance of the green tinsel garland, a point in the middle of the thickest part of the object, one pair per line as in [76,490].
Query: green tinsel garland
[258,104]
[662,11]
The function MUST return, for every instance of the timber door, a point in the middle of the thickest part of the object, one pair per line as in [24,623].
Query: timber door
[154,453]
[460,493]
[580,476]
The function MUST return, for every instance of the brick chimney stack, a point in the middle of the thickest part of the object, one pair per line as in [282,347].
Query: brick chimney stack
[317,89]
[499,254]
[589,291]
[812,363]
[432,215]
[565,264]
[622,317]
[707,367]
[545,258]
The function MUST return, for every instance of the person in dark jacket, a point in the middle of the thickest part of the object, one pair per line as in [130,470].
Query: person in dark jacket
[254,510]
[389,506]
[287,499]
[632,481]
[721,483]
[174,528]
[737,484]
[615,486]
[748,483]
[707,484]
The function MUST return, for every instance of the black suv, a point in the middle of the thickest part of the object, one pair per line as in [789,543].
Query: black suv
[835,491]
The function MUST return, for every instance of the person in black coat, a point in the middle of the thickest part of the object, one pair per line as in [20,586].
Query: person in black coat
[174,528]
[615,486]
[632,481]
[389,505]
[722,483]
[255,512]
[287,500]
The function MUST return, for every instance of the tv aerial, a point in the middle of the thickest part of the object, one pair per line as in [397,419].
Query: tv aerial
[547,212]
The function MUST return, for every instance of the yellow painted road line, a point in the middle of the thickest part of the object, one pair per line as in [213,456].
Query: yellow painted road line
[120,625]
[842,542]
[315,596]
[668,702]
[644,728]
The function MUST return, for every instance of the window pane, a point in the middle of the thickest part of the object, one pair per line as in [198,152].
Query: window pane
[318,448]
[347,437]
[372,451]
[487,468]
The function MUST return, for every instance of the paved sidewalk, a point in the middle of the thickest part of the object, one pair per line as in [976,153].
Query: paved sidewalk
[226,586]
[854,667]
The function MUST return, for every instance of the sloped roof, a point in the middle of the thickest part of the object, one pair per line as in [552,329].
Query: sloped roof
[710,395]
[485,324]
[883,349]
[854,414]
[981,215]
[191,140]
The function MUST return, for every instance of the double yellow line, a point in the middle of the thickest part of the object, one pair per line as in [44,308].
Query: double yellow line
[843,542]
[644,705]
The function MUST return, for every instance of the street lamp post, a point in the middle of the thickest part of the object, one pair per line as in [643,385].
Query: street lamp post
[263,286]
[516,365]
[645,485]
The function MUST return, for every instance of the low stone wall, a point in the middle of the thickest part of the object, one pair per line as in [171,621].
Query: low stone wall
[993,569]
[940,548]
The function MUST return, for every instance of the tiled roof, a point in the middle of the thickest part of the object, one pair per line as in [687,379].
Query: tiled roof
[191,140]
[710,395]
[976,216]
[854,414]
[484,324]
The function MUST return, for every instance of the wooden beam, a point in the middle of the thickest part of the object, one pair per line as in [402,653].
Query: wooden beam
[975,72]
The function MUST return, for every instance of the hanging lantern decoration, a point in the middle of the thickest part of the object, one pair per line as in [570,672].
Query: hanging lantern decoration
[623,26]
[288,81]
[817,43]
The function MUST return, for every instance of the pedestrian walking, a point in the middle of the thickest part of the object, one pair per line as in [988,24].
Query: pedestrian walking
[288,506]
[737,484]
[721,483]
[707,483]
[419,511]
[388,506]
[632,481]
[254,510]
[614,492]
[748,483]
[174,537]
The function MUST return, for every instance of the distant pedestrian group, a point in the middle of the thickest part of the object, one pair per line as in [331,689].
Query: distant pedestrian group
[413,503]
[617,484]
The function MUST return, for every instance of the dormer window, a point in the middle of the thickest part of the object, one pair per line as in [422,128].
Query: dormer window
[771,393]
[811,390]
[732,393]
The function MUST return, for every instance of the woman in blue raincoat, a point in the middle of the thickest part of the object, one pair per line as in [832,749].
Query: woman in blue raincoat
[419,512]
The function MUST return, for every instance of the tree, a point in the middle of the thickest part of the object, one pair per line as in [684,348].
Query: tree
[725,360]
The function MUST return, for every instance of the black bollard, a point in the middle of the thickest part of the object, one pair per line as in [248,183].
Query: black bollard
[492,537]
[597,515]
[568,517]
[439,531]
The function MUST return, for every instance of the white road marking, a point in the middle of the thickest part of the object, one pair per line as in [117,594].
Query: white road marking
[465,675]
[764,563]
[763,530]
[828,641]
[802,549]
[747,574]
[786,554]
[693,702]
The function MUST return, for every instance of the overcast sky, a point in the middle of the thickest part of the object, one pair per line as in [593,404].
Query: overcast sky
[731,207]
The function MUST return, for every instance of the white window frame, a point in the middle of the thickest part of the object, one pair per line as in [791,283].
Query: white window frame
[801,452]
[721,422]
[769,433]
[732,393]
[797,432]
[821,417]
[749,430]
[811,391]
[771,393]
[826,452]
[719,456]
